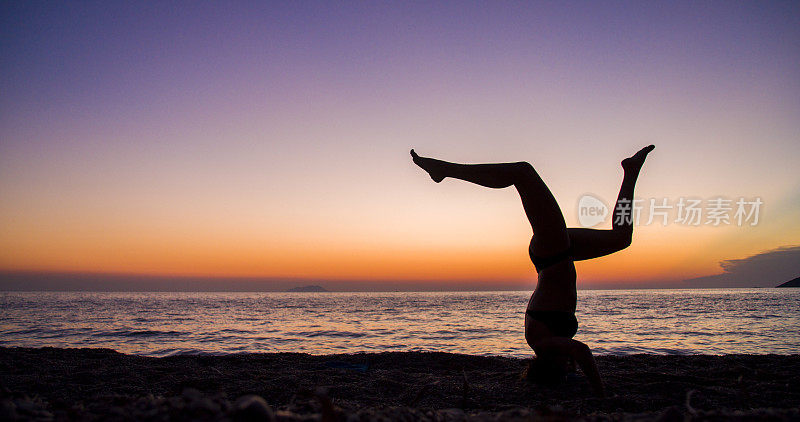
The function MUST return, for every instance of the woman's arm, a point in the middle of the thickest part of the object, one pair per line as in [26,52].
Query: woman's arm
[583,355]
[578,351]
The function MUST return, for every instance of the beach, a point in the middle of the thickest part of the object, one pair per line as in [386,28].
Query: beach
[93,384]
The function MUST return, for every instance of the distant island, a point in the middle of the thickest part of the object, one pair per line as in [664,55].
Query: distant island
[791,283]
[306,289]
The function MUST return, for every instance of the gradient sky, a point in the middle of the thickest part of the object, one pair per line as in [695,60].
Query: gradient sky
[265,139]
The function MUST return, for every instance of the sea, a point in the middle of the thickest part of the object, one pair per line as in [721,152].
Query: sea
[612,322]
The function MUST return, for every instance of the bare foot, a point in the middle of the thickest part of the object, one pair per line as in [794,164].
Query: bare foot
[636,161]
[430,165]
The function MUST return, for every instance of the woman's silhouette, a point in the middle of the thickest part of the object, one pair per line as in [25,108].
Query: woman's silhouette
[550,321]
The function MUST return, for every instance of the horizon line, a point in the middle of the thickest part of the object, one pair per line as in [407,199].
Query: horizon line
[77,281]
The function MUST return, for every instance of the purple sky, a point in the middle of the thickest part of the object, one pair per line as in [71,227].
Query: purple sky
[135,127]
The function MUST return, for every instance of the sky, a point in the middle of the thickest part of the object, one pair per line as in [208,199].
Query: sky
[269,140]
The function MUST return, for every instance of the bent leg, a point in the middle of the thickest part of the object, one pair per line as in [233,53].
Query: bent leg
[591,243]
[544,214]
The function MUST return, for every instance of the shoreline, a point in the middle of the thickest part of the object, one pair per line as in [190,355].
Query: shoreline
[72,384]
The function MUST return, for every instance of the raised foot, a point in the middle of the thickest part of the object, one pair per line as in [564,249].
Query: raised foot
[430,165]
[636,161]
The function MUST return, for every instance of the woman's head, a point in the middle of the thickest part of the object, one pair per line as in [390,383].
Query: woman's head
[548,371]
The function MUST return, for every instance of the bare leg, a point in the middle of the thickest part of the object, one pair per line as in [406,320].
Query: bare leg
[549,228]
[590,243]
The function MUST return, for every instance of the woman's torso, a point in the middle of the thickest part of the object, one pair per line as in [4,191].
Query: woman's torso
[555,289]
[555,294]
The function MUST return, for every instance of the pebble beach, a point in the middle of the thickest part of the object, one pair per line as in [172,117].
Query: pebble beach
[101,384]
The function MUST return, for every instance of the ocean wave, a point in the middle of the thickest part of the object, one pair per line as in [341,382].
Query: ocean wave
[481,323]
[136,333]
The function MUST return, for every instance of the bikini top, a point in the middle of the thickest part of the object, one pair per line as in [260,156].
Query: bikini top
[542,262]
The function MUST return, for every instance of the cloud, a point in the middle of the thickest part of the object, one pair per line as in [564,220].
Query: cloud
[766,269]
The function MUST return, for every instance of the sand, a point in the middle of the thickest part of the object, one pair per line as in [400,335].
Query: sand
[95,384]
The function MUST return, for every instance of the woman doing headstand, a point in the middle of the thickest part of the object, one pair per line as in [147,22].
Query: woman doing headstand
[550,321]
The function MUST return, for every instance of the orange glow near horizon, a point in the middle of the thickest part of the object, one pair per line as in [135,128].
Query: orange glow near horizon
[449,247]
[334,258]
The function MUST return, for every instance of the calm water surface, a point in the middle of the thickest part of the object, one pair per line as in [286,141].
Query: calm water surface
[619,322]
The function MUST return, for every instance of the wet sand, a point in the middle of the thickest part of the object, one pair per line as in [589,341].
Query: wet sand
[94,384]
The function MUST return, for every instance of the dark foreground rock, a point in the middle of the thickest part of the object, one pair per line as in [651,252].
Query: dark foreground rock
[98,384]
